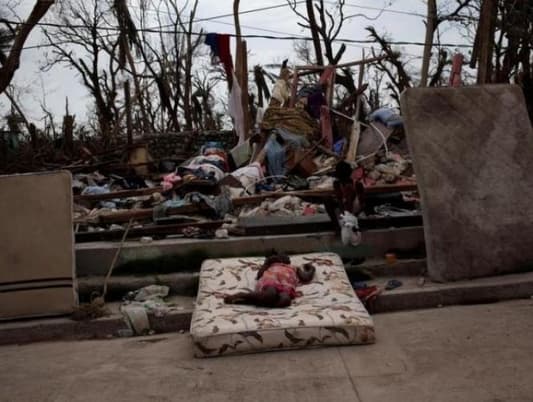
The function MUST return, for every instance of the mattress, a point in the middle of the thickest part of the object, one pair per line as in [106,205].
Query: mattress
[37,245]
[328,313]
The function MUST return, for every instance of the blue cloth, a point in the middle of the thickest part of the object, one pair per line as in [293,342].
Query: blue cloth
[276,158]
[294,140]
[387,116]
[211,39]
[339,146]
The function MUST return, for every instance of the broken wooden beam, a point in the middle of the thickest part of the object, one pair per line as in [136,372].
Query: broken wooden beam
[310,69]
[310,195]
[151,230]
[118,194]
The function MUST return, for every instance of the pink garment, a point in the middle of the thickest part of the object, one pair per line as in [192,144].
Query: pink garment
[169,180]
[280,276]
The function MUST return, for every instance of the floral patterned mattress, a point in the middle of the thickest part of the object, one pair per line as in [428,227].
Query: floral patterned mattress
[328,313]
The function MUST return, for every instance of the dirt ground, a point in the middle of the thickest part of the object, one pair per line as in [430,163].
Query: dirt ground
[468,353]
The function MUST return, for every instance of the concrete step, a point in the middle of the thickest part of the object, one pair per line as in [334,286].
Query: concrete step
[186,255]
[180,284]
[376,267]
[113,325]
[412,295]
[186,283]
[409,296]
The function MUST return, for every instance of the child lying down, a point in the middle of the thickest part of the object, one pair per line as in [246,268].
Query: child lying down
[276,283]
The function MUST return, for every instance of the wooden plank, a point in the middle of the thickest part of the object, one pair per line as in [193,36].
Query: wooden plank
[308,195]
[151,230]
[354,140]
[391,188]
[313,68]
[118,194]
[269,225]
[356,126]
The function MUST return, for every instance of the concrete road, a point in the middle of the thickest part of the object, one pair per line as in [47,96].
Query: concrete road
[470,353]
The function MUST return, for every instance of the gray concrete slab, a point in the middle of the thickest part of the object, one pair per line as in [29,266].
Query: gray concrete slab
[472,151]
[95,258]
[410,296]
[474,353]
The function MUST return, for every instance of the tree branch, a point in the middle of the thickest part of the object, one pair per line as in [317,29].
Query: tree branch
[12,62]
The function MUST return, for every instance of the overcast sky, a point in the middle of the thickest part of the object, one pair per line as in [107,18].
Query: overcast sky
[56,85]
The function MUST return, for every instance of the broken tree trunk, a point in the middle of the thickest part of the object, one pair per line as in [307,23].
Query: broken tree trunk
[244,89]
[12,63]
[431,26]
[68,129]
[484,40]
[127,101]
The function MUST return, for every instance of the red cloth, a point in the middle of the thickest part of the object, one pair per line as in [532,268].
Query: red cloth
[455,75]
[280,276]
[327,75]
[325,126]
[224,53]
[346,195]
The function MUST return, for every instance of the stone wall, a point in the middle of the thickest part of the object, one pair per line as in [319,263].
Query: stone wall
[184,144]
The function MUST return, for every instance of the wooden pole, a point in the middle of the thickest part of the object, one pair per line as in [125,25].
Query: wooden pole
[33,136]
[244,89]
[431,25]
[485,36]
[356,126]
[238,45]
[68,129]
[127,101]
[350,64]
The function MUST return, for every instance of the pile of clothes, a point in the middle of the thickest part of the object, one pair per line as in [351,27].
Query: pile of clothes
[284,206]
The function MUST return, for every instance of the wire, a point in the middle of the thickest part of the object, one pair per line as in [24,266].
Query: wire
[245,36]
[385,10]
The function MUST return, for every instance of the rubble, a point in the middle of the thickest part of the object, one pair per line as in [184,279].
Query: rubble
[187,184]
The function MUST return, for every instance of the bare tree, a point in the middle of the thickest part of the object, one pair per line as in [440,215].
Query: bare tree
[433,20]
[393,67]
[169,61]
[204,83]
[79,44]
[325,24]
[11,62]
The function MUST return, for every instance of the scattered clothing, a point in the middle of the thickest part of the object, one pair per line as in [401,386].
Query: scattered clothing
[315,101]
[249,175]
[281,91]
[235,109]
[367,295]
[221,204]
[97,190]
[387,116]
[220,51]
[169,181]
[137,305]
[393,284]
[276,157]
[350,233]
